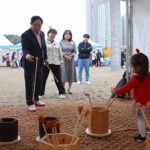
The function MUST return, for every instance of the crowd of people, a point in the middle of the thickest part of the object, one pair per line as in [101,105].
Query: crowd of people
[54,57]
[10,61]
[40,57]
[97,58]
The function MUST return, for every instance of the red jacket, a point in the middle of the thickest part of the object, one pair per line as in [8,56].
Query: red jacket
[140,89]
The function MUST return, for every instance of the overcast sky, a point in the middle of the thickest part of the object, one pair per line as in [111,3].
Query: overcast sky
[59,14]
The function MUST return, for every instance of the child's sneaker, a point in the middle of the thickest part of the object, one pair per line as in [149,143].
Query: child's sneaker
[139,138]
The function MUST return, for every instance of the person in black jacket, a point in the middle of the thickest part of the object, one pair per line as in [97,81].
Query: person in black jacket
[85,49]
[33,45]
[98,58]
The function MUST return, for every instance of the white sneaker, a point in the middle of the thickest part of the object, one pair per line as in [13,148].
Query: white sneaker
[32,108]
[39,103]
[41,97]
[88,82]
[78,82]
[62,96]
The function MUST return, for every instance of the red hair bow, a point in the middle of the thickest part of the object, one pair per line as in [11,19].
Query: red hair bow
[50,27]
[138,51]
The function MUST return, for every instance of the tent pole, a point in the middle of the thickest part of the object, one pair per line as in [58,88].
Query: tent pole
[127,40]
[131,33]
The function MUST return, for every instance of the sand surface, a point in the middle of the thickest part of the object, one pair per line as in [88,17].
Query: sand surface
[12,87]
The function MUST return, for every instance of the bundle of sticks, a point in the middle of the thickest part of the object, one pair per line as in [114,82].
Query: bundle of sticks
[110,101]
[82,114]
[53,125]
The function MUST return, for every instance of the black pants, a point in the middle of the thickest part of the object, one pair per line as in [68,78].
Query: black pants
[98,61]
[93,62]
[7,63]
[29,74]
[56,71]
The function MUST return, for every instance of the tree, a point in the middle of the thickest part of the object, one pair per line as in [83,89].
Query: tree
[15,39]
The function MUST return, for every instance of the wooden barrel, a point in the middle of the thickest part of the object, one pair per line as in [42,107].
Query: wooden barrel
[148,142]
[49,130]
[98,120]
[8,130]
[64,142]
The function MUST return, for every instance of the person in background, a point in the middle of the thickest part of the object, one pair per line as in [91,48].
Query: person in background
[14,60]
[7,60]
[33,45]
[140,86]
[98,57]
[85,49]
[123,58]
[93,58]
[55,58]
[69,51]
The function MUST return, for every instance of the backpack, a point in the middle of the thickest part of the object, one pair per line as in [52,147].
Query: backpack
[121,83]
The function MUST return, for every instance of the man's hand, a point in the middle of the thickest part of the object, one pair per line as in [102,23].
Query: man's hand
[30,58]
[46,63]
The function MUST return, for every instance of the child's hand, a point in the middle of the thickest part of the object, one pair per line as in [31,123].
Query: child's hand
[113,91]
[148,103]
[138,104]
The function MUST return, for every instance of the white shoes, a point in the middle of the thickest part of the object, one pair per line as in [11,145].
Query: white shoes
[32,108]
[62,96]
[88,82]
[39,103]
[41,97]
[78,82]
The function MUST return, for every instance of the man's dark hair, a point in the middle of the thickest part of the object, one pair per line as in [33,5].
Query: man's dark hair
[86,36]
[34,18]
[51,31]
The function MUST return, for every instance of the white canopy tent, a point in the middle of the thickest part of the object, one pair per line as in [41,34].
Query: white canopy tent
[4,42]
[137,29]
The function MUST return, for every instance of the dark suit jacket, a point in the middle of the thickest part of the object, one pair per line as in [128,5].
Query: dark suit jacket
[31,46]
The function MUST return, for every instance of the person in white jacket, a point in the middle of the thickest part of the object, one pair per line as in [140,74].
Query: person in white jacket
[55,59]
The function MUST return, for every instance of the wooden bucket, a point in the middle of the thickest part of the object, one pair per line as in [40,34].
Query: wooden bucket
[64,143]
[98,120]
[148,142]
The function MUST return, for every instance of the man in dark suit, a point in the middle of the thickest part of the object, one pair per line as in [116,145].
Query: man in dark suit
[33,45]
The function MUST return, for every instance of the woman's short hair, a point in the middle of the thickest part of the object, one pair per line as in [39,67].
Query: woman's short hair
[34,18]
[70,33]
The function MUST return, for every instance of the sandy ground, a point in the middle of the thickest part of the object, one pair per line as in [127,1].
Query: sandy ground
[12,88]
[122,125]
[12,104]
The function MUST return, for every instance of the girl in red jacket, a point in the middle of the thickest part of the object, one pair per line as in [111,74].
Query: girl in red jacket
[140,86]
